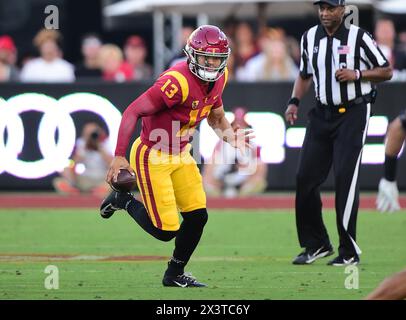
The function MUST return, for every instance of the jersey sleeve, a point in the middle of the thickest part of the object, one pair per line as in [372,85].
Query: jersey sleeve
[373,52]
[305,68]
[218,103]
[171,88]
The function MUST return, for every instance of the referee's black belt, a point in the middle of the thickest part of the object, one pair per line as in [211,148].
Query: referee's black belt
[342,108]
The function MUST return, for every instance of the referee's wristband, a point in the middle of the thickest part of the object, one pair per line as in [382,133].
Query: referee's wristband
[294,101]
[358,74]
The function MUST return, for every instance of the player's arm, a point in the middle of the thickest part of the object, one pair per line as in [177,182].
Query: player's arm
[392,288]
[395,137]
[166,92]
[145,105]
[238,139]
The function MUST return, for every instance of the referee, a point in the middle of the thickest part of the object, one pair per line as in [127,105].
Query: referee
[342,61]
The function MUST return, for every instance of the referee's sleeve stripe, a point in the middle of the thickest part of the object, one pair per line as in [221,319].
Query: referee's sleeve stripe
[373,53]
[304,61]
[364,59]
[386,64]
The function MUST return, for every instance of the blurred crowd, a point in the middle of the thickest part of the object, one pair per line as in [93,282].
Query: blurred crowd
[270,54]
[267,54]
[99,60]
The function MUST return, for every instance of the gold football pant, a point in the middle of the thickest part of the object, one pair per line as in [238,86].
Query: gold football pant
[167,183]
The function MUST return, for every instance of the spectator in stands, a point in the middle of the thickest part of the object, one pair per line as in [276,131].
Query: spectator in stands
[385,35]
[112,64]
[274,63]
[293,47]
[4,70]
[89,67]
[231,63]
[90,161]
[8,59]
[402,41]
[401,52]
[135,52]
[49,67]
[25,57]
[232,174]
[230,26]
[184,35]
[245,47]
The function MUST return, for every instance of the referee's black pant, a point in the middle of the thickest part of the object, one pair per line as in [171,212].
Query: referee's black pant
[332,139]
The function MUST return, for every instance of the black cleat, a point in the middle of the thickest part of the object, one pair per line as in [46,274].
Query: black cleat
[344,261]
[113,202]
[310,255]
[183,280]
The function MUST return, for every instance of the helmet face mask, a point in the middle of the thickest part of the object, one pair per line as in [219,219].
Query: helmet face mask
[207,51]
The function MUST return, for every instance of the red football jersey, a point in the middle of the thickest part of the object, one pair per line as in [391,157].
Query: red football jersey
[188,102]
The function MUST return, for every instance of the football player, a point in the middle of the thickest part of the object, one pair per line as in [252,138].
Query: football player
[168,177]
[388,194]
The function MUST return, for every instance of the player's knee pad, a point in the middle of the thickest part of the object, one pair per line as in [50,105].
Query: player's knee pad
[197,217]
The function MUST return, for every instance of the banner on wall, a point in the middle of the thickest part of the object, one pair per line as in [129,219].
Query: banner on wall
[40,123]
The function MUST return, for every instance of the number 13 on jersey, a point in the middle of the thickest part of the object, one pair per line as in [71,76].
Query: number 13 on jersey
[171,90]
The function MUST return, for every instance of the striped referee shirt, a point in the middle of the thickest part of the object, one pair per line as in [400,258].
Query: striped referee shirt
[322,55]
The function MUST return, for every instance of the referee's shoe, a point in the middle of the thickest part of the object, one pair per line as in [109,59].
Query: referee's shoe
[344,261]
[310,255]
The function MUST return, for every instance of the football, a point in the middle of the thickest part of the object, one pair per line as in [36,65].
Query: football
[126,181]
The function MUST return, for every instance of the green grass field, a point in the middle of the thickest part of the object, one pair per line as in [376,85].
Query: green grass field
[242,255]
